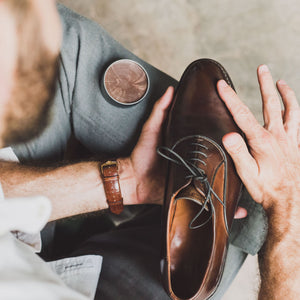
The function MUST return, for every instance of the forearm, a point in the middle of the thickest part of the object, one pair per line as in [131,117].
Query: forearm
[73,189]
[279,262]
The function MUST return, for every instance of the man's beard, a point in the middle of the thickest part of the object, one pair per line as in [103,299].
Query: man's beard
[28,111]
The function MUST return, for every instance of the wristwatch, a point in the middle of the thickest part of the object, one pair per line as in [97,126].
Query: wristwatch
[110,175]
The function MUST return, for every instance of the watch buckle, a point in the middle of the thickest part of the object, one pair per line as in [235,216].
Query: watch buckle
[107,164]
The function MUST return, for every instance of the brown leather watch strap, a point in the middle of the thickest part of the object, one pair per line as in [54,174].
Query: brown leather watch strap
[110,176]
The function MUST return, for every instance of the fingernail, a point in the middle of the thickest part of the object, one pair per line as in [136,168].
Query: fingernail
[263,69]
[170,90]
[223,83]
[282,82]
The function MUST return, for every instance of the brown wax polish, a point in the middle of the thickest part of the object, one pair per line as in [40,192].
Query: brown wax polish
[126,81]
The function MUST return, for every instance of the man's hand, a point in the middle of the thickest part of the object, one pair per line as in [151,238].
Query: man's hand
[270,169]
[149,168]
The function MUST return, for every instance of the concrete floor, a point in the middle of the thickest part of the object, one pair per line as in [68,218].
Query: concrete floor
[240,34]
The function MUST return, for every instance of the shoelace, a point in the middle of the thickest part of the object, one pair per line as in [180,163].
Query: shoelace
[196,173]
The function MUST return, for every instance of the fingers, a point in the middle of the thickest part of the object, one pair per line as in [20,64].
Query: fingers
[145,150]
[291,116]
[244,163]
[240,213]
[157,117]
[166,98]
[271,103]
[240,112]
[288,96]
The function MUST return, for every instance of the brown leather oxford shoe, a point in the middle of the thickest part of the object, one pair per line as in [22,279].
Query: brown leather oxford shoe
[202,188]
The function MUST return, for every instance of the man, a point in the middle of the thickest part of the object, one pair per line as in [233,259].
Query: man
[23,274]
[77,188]
[72,197]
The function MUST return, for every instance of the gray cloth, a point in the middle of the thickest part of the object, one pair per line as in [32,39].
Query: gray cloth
[249,233]
[103,127]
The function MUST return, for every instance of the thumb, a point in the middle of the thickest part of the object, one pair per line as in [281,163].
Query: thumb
[244,163]
[159,112]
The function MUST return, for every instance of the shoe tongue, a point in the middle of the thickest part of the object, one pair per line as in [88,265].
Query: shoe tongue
[191,193]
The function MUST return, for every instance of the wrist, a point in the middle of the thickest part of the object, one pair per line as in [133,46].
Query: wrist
[127,181]
[283,221]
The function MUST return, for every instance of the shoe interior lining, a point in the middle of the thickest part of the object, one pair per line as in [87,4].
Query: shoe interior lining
[190,249]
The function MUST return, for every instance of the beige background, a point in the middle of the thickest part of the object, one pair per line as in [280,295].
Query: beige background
[240,34]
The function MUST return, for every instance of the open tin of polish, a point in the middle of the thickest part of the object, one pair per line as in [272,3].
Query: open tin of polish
[126,82]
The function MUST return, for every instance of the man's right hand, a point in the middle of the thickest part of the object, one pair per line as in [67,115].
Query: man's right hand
[270,169]
[270,165]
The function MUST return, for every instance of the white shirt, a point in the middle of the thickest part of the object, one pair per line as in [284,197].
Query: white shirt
[24,275]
